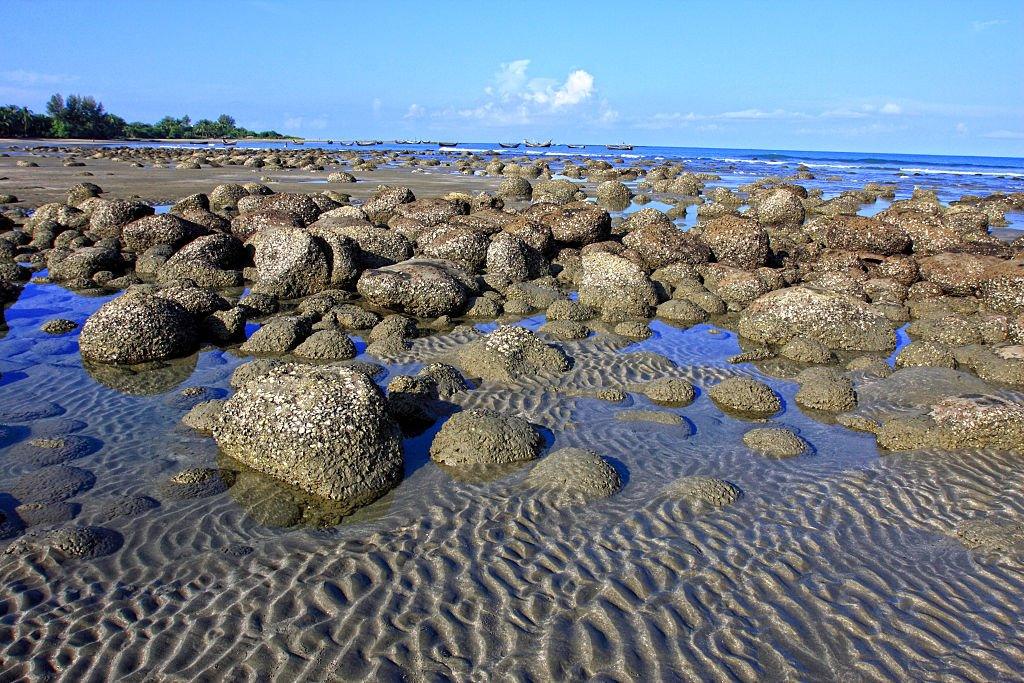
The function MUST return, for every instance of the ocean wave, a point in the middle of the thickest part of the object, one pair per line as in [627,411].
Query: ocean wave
[960,171]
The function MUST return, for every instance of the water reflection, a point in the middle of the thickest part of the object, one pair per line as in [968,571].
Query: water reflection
[145,379]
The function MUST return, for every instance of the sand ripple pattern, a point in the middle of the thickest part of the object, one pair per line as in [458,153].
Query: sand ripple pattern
[836,564]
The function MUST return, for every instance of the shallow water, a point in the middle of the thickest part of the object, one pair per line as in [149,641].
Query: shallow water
[837,563]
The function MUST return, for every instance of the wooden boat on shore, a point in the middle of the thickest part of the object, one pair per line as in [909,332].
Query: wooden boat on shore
[624,148]
[509,145]
[228,143]
[546,143]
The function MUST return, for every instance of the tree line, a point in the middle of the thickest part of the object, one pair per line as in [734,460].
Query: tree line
[78,116]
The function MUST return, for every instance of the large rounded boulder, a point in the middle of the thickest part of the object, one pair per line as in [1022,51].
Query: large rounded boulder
[737,241]
[166,228]
[290,263]
[325,430]
[616,285]
[136,328]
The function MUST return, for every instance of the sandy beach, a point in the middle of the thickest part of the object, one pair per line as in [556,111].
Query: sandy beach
[872,528]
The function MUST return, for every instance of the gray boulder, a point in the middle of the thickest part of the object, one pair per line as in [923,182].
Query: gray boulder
[324,430]
[837,321]
[484,437]
[136,328]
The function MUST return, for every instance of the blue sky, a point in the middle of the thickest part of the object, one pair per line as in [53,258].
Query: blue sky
[899,76]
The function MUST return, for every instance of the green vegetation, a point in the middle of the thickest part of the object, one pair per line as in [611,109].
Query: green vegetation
[80,116]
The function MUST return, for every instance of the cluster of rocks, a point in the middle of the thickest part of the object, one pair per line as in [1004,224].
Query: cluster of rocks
[803,278]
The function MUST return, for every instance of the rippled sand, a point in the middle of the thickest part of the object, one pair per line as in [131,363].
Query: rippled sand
[838,564]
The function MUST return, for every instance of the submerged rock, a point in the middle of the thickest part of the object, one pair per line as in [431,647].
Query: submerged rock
[700,489]
[85,542]
[324,430]
[575,472]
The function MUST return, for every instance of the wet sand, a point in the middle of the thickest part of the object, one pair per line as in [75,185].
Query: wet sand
[839,564]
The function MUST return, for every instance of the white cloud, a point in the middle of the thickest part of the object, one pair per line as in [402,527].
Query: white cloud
[511,83]
[1005,135]
[961,128]
[514,98]
[752,114]
[298,124]
[979,26]
[23,77]
[891,108]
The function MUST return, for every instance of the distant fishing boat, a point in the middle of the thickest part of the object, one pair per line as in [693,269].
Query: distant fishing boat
[576,146]
[624,148]
[509,145]
[546,143]
[346,143]
[228,143]
[367,143]
[447,144]
[404,142]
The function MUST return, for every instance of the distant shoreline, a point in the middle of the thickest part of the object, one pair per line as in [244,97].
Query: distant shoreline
[93,141]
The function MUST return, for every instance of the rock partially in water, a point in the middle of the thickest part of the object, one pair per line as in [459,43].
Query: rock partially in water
[825,389]
[484,437]
[510,353]
[46,514]
[202,417]
[745,397]
[670,390]
[138,327]
[45,451]
[324,430]
[144,379]
[575,472]
[59,326]
[837,321]
[566,329]
[125,506]
[653,416]
[776,442]
[197,482]
[326,345]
